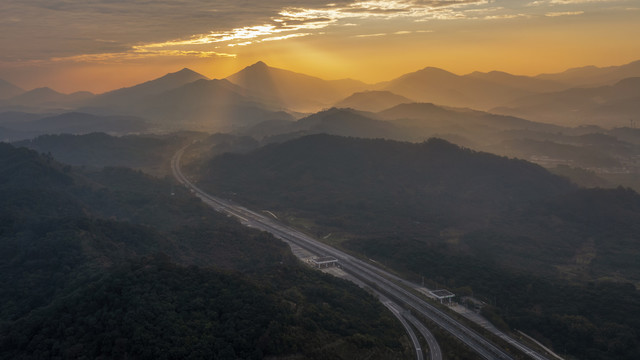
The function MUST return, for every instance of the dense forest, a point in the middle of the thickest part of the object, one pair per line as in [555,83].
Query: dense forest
[97,150]
[554,260]
[113,263]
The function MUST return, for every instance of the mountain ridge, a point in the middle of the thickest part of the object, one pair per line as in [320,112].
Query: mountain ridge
[445,88]
[292,90]
[606,105]
[9,90]
[591,75]
[372,100]
[127,97]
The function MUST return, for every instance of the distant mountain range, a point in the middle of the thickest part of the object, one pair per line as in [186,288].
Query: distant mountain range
[526,83]
[8,90]
[45,99]
[608,106]
[592,76]
[444,88]
[372,100]
[18,126]
[185,99]
[406,122]
[213,105]
[131,96]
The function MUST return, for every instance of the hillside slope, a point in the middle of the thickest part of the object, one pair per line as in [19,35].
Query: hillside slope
[86,274]
[545,254]
[426,183]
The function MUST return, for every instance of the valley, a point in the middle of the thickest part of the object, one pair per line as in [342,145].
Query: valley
[516,193]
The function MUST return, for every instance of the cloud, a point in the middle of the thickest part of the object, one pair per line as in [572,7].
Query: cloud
[92,29]
[284,37]
[294,22]
[564,13]
[292,19]
[506,16]
[580,1]
[371,35]
[572,2]
[136,55]
[43,29]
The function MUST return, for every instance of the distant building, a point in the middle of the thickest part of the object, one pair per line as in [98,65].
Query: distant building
[442,295]
[324,262]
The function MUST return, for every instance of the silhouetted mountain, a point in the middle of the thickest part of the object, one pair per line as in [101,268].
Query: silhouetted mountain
[10,118]
[81,123]
[607,106]
[345,122]
[97,150]
[18,117]
[415,177]
[10,135]
[290,90]
[342,122]
[212,105]
[131,96]
[9,90]
[45,98]
[442,87]
[489,226]
[526,83]
[551,153]
[39,95]
[406,122]
[594,76]
[187,100]
[428,119]
[372,101]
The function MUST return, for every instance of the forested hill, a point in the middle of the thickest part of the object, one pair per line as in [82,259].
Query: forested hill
[97,150]
[435,182]
[477,203]
[554,260]
[116,264]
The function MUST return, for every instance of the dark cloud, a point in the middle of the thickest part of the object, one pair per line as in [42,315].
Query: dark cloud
[39,29]
[44,29]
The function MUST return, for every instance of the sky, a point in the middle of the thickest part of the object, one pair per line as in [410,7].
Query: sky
[99,45]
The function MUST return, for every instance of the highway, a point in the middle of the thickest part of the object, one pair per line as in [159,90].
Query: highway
[393,307]
[434,348]
[378,279]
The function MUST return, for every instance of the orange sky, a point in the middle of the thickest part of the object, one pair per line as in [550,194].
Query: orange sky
[103,45]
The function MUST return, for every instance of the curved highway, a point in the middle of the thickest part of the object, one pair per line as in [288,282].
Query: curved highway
[379,279]
[393,307]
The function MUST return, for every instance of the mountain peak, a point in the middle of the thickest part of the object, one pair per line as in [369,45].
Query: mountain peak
[152,87]
[430,73]
[258,67]
[259,64]
[186,73]
[42,90]
[435,70]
